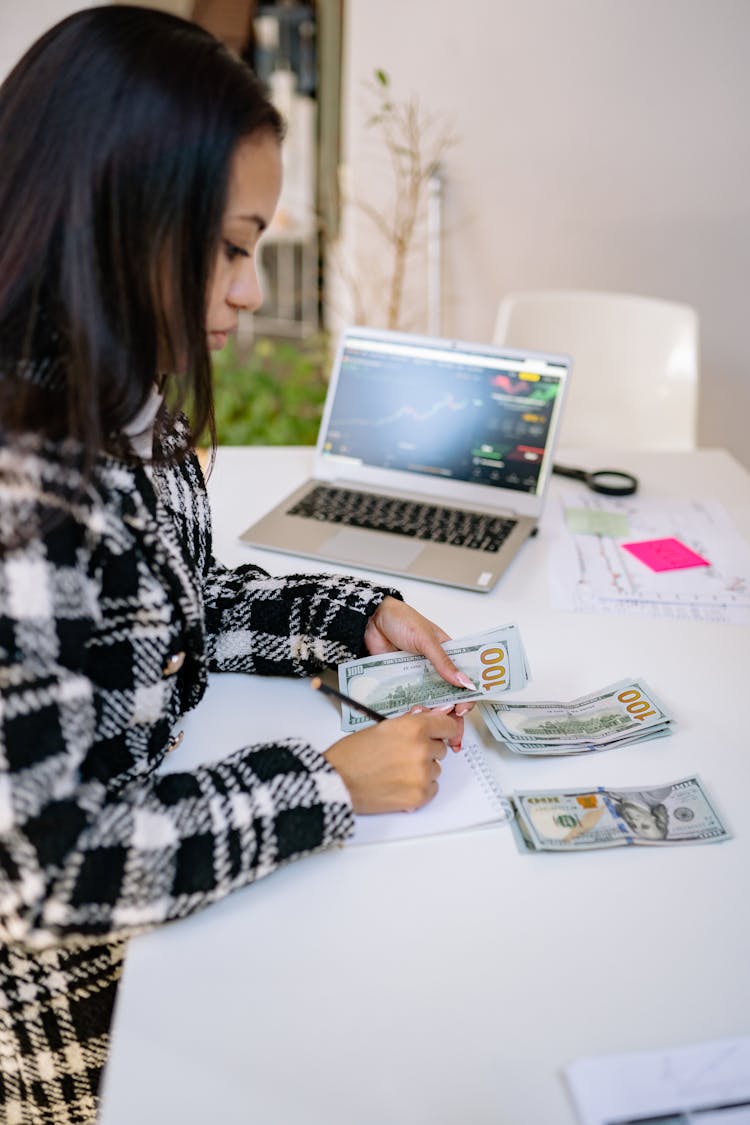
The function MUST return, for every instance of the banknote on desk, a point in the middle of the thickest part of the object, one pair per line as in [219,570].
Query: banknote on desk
[621,713]
[392,683]
[569,820]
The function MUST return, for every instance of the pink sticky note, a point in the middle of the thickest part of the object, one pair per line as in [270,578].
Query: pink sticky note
[665,554]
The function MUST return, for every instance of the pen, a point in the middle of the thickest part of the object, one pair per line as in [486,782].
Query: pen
[318,685]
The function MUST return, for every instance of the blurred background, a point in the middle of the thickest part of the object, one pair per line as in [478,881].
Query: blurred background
[441,155]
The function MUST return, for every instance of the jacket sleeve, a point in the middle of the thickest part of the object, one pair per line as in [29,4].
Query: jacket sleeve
[83,854]
[293,626]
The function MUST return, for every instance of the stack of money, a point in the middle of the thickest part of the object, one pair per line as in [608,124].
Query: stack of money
[393,683]
[625,712]
[569,820]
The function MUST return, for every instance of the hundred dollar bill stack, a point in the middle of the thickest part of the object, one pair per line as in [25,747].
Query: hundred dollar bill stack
[624,712]
[559,820]
[494,660]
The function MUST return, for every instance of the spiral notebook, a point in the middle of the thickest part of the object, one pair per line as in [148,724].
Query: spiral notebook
[239,710]
[469,797]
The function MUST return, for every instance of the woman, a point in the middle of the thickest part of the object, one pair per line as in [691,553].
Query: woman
[140,167]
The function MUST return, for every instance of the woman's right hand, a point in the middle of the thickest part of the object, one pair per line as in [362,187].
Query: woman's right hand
[395,765]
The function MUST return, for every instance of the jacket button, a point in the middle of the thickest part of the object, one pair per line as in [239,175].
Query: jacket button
[173,664]
[175,742]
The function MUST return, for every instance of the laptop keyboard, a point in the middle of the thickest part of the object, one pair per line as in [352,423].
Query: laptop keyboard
[404,517]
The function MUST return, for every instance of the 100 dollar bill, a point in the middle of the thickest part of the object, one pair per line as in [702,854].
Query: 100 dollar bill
[394,682]
[578,819]
[622,712]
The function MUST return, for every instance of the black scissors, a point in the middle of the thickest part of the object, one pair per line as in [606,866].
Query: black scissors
[610,482]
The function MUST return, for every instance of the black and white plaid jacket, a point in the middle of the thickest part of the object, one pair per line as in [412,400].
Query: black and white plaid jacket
[112,612]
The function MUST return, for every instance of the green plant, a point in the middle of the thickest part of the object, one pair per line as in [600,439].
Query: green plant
[273,395]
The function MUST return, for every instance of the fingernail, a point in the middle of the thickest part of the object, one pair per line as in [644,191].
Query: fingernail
[444,707]
[461,711]
[466,682]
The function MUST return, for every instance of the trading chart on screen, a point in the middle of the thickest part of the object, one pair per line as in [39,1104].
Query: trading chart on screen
[470,417]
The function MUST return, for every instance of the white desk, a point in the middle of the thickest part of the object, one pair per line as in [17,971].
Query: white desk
[446,981]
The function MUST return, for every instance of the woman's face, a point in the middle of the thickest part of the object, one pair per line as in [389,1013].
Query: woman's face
[254,187]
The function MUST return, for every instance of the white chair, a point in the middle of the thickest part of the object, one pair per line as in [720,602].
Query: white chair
[634,382]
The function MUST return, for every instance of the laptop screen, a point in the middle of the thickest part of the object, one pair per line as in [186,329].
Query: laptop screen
[444,410]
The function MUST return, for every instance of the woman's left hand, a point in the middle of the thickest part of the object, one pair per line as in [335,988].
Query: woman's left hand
[395,626]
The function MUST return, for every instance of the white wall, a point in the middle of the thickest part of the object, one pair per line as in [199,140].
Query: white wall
[604,144]
[23,22]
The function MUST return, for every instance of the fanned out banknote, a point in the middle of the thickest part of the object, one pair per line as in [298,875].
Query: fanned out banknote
[624,712]
[391,684]
[570,820]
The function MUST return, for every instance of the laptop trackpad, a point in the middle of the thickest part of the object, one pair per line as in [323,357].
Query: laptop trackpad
[371,550]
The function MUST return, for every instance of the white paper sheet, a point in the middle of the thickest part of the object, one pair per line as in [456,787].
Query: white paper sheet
[592,573]
[701,1084]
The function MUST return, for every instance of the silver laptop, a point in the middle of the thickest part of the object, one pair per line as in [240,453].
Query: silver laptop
[432,461]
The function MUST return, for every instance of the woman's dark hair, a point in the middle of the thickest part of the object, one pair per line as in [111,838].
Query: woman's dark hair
[117,130]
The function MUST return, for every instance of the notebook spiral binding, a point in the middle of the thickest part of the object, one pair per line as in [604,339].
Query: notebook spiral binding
[475,756]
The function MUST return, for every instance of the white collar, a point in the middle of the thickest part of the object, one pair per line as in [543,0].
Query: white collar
[140,429]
